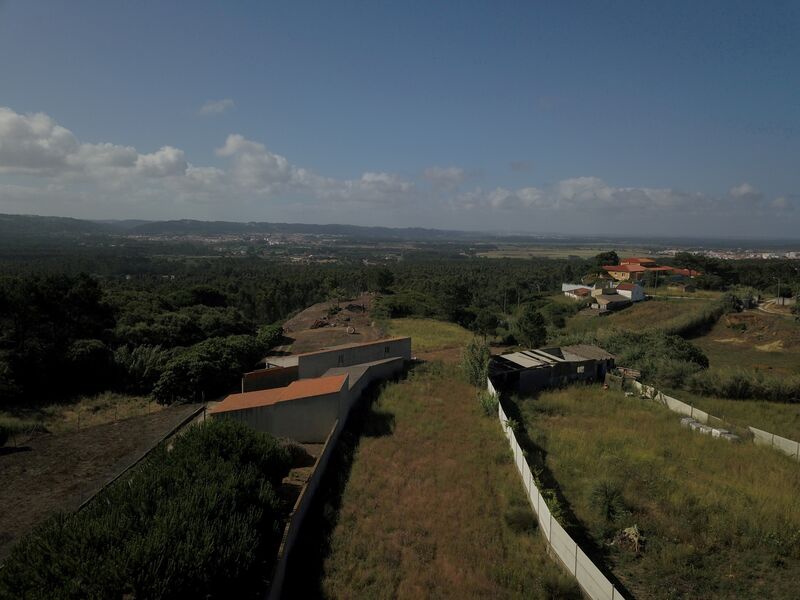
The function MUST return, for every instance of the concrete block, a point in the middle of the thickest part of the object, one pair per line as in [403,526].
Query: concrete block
[704,429]
[687,421]
[730,437]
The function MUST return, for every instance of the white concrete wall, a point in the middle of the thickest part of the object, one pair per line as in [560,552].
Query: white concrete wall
[317,363]
[303,420]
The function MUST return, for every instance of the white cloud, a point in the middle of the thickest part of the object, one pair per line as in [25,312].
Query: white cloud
[45,166]
[216,107]
[745,191]
[445,177]
[164,163]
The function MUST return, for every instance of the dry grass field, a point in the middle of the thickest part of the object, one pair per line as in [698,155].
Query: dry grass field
[430,335]
[753,340]
[432,507]
[640,316]
[718,520]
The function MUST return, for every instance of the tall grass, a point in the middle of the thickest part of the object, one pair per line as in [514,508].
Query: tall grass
[435,508]
[720,520]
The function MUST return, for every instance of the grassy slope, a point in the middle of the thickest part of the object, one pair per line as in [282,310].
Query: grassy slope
[429,334]
[102,408]
[422,514]
[641,315]
[720,520]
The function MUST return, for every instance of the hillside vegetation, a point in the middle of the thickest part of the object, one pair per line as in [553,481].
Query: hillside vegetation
[196,520]
[715,520]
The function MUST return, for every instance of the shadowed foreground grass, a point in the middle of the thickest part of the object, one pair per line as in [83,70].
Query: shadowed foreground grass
[720,520]
[433,507]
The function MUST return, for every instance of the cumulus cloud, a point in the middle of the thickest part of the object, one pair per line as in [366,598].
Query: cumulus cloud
[52,169]
[584,193]
[445,177]
[215,107]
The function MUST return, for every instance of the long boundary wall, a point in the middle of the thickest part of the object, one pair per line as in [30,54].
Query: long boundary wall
[298,514]
[591,580]
[760,437]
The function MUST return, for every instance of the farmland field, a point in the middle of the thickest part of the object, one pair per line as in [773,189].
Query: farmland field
[717,520]
[433,506]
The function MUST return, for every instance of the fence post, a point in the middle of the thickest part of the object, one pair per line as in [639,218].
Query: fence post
[576,561]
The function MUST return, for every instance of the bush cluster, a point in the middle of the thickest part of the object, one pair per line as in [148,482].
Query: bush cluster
[192,522]
[743,384]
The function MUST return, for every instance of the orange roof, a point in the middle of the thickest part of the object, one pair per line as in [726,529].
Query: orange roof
[626,286]
[625,268]
[635,260]
[304,388]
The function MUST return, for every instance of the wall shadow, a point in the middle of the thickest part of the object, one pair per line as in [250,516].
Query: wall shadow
[305,567]
[537,460]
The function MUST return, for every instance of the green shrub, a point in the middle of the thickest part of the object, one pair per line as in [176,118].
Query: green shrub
[192,522]
[475,362]
[607,501]
[520,519]
[489,403]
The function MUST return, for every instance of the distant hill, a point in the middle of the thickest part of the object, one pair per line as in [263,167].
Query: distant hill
[15,226]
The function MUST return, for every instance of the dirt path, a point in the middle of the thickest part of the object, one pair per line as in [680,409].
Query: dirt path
[57,472]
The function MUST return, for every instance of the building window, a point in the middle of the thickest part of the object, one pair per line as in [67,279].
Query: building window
[580,369]
[386,349]
[341,360]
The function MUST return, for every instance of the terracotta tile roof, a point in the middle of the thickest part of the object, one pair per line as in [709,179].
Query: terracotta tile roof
[626,286]
[625,268]
[635,260]
[304,388]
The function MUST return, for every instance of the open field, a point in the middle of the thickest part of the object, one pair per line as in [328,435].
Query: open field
[755,341]
[719,520]
[106,407]
[56,472]
[432,507]
[529,251]
[429,335]
[640,316]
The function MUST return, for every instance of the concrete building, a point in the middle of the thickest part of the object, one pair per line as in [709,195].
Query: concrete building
[303,411]
[632,291]
[581,293]
[610,302]
[314,364]
[303,395]
[531,370]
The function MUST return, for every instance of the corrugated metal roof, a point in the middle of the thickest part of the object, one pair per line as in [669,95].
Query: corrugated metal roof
[304,388]
[587,351]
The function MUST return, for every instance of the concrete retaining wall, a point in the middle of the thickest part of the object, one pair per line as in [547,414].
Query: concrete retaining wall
[316,364]
[298,514]
[267,379]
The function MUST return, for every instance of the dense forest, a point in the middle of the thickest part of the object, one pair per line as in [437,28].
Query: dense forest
[77,320]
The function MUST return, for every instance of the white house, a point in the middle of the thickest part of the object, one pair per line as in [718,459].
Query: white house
[632,291]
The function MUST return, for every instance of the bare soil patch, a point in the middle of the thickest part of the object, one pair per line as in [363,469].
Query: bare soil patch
[57,472]
[315,327]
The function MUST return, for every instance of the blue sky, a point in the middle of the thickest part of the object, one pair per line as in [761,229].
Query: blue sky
[572,117]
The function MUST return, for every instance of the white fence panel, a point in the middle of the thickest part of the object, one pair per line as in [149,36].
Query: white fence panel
[761,438]
[677,406]
[785,445]
[563,545]
[593,581]
[544,517]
